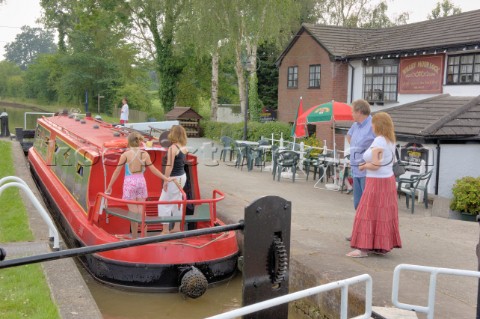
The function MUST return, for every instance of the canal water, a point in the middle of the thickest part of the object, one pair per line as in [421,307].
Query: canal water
[16,116]
[119,304]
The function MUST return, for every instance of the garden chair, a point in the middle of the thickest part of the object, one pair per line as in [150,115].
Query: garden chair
[416,182]
[287,159]
[227,143]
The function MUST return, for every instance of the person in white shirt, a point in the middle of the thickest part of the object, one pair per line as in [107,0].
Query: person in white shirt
[124,112]
[376,229]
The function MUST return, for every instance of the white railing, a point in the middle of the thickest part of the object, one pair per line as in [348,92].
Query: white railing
[33,113]
[434,271]
[14,181]
[342,284]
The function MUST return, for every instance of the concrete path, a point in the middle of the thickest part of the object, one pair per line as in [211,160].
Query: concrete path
[320,221]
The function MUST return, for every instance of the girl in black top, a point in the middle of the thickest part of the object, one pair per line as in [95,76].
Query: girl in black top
[175,168]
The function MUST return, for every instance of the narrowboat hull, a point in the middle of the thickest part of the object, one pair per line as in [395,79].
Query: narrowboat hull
[152,267]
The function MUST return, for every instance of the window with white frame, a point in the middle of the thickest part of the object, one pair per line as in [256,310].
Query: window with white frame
[380,81]
[314,76]
[292,77]
[463,69]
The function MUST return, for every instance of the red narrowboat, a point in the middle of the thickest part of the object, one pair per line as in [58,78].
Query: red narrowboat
[72,160]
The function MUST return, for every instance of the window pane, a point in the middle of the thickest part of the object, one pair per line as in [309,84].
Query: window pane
[477,58]
[467,59]
[477,68]
[476,77]
[466,69]
[455,78]
[378,70]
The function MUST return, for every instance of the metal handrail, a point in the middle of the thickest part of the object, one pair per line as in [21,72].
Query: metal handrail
[75,252]
[434,271]
[102,201]
[32,113]
[342,284]
[14,181]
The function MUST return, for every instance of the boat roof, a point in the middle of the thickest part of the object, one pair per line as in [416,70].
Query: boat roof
[86,130]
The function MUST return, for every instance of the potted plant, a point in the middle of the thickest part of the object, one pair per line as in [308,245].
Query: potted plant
[466,196]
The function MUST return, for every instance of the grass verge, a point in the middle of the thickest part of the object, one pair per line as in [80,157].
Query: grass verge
[24,292]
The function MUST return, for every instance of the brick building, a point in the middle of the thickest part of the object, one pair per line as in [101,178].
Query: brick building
[399,70]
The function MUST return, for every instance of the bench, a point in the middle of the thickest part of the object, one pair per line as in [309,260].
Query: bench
[201,214]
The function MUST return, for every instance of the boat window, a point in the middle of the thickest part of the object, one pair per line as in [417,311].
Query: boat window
[80,169]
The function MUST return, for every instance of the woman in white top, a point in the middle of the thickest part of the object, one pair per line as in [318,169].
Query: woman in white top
[376,222]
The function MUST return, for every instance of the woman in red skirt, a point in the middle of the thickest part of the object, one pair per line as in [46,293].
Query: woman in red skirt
[375,229]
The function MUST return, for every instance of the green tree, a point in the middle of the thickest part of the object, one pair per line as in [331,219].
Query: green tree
[156,23]
[444,9]
[8,70]
[242,26]
[358,13]
[97,57]
[40,78]
[28,45]
[268,75]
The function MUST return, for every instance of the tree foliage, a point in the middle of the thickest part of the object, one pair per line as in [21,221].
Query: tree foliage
[444,9]
[28,45]
[157,22]
[358,14]
[8,70]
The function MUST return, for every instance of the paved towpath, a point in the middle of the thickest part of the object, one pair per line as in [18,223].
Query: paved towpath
[320,221]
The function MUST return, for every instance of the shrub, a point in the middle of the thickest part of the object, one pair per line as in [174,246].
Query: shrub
[313,142]
[466,195]
[215,130]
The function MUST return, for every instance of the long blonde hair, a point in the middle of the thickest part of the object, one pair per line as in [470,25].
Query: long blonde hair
[383,126]
[178,135]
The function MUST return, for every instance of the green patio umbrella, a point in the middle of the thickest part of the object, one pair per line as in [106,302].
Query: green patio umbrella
[328,112]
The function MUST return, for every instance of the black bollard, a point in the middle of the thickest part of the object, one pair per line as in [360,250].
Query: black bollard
[266,254]
[5,132]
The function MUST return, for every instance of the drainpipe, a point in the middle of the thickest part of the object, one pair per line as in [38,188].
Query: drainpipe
[351,82]
[437,171]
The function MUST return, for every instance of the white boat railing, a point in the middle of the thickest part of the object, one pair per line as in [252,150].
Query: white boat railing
[434,271]
[33,113]
[14,181]
[342,284]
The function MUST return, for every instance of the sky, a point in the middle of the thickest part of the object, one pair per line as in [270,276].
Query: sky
[17,13]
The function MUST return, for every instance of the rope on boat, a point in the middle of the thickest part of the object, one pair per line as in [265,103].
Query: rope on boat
[75,252]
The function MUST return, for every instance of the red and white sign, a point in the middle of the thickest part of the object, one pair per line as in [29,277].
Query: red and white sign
[421,75]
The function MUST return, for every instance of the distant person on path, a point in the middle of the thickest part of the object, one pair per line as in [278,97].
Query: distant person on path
[360,136]
[376,227]
[175,169]
[124,111]
[134,185]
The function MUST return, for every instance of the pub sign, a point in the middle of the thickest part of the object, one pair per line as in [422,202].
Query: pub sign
[419,75]
[414,153]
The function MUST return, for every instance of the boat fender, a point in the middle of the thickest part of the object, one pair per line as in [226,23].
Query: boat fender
[3,254]
[193,284]
[116,143]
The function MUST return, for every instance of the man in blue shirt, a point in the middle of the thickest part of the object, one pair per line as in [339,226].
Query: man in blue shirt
[360,136]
